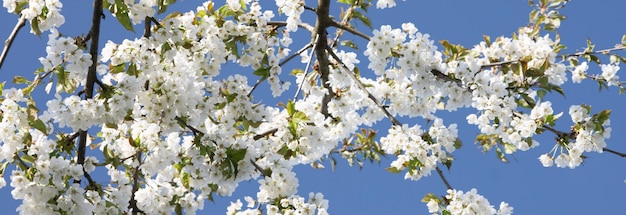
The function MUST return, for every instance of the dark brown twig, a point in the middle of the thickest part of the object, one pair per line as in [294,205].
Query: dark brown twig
[7,43]
[362,87]
[133,202]
[443,178]
[281,64]
[306,71]
[322,23]
[91,78]
[614,152]
[351,30]
[282,24]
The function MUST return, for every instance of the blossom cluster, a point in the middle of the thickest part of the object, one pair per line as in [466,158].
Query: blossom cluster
[316,204]
[459,202]
[589,138]
[65,56]
[293,9]
[417,150]
[45,14]
[173,115]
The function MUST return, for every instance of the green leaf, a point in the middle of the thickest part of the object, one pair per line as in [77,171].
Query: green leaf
[39,125]
[541,94]
[349,44]
[550,120]
[602,116]
[3,166]
[236,155]
[262,72]
[291,108]
[132,70]
[501,155]
[393,170]
[487,40]
[20,80]
[165,47]
[448,162]
[348,2]
[113,69]
[458,143]
[121,13]
[28,158]
[185,179]
[509,148]
[431,196]
[534,72]
[34,25]
[364,19]
[163,4]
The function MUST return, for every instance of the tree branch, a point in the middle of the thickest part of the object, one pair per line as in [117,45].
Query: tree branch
[281,64]
[265,134]
[351,30]
[306,71]
[7,43]
[617,47]
[91,75]
[344,20]
[283,24]
[195,131]
[322,23]
[443,178]
[614,152]
[362,87]
[133,202]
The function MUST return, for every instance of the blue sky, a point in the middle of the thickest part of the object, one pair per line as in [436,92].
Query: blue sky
[596,187]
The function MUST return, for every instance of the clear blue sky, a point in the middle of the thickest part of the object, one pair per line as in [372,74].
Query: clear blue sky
[596,187]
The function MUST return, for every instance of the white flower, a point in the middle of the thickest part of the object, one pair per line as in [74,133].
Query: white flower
[14,94]
[609,73]
[539,111]
[578,113]
[233,4]
[562,160]
[382,4]
[433,207]
[546,160]
[580,72]
[505,209]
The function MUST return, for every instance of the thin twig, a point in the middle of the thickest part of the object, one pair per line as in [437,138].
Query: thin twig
[306,71]
[265,134]
[344,20]
[498,64]
[307,46]
[281,64]
[7,43]
[362,87]
[351,30]
[322,23]
[614,152]
[91,75]
[195,131]
[146,27]
[283,24]
[257,167]
[133,202]
[443,178]
[617,47]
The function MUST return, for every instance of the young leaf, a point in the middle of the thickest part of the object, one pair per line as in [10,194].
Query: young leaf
[121,13]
